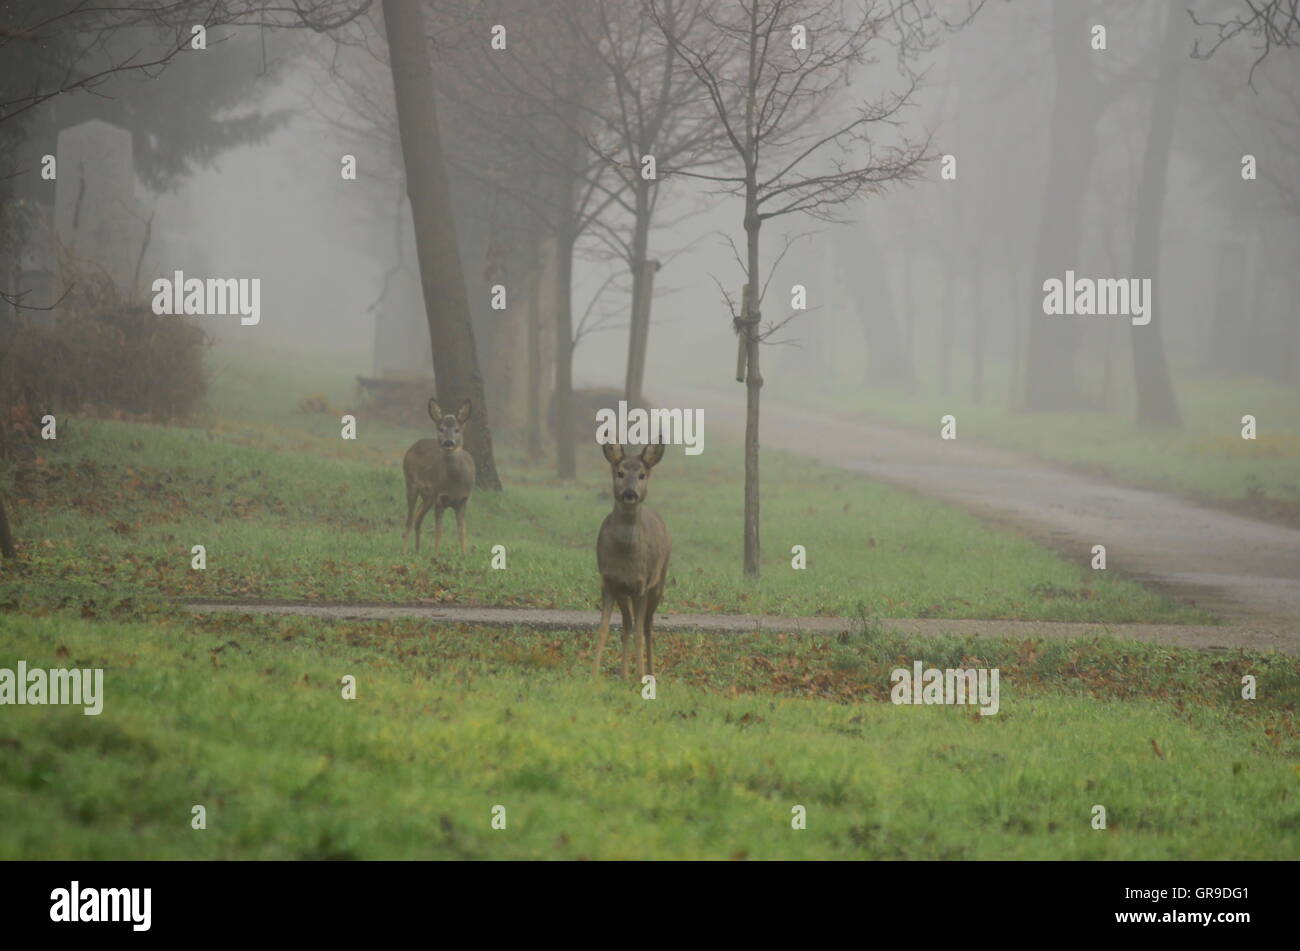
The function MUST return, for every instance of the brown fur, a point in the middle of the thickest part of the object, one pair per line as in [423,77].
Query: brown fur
[632,552]
[439,475]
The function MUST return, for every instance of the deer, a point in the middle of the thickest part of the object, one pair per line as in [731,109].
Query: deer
[632,552]
[439,474]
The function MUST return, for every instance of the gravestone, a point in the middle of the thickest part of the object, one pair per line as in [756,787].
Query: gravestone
[98,222]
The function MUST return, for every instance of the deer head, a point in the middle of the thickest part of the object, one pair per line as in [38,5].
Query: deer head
[451,428]
[631,473]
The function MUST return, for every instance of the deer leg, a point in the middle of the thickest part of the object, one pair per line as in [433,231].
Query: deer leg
[638,612]
[651,604]
[438,509]
[412,496]
[460,524]
[625,607]
[425,502]
[606,609]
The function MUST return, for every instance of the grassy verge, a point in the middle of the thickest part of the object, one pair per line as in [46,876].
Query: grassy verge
[1207,460]
[112,510]
[109,513]
[246,718]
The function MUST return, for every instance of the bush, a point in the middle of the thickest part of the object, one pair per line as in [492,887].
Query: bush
[103,354]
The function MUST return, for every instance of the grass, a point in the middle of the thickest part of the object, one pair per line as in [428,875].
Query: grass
[245,715]
[246,718]
[109,513]
[1207,460]
[114,509]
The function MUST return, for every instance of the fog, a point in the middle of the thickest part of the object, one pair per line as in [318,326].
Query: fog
[934,283]
[278,209]
[340,341]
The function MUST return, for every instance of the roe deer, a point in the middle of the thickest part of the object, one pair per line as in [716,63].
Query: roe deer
[632,556]
[439,474]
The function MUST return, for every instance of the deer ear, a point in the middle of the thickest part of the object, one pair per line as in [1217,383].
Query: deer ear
[651,454]
[613,452]
[435,413]
[462,414]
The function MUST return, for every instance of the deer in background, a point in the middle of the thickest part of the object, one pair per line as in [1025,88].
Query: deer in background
[439,474]
[632,552]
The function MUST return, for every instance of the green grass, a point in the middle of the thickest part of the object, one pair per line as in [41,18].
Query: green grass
[113,510]
[285,508]
[1207,460]
[244,715]
[246,718]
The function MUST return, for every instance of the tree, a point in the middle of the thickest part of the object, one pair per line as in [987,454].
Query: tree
[1268,23]
[53,48]
[536,104]
[863,271]
[1051,382]
[1157,405]
[654,114]
[61,46]
[1086,87]
[446,302]
[790,154]
[64,61]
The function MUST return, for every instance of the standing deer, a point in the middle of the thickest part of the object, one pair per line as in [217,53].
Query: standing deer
[439,474]
[632,556]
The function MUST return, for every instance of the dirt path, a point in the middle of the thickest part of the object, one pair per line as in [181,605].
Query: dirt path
[1244,570]
[545,619]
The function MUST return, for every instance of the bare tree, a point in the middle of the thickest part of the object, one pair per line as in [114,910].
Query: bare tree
[1157,405]
[657,115]
[536,106]
[790,153]
[1086,88]
[1268,24]
[49,48]
[74,41]
[446,301]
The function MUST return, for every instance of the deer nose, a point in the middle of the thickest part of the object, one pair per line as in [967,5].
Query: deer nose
[629,495]
[448,444]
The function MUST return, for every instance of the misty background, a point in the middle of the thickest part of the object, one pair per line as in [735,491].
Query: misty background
[279,210]
[928,284]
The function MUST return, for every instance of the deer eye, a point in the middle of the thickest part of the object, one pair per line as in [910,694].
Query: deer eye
[641,476]
[621,473]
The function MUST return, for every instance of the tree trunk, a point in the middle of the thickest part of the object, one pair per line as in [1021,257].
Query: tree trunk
[909,313]
[446,301]
[1224,353]
[7,548]
[1157,405]
[979,325]
[749,327]
[946,325]
[535,352]
[1015,401]
[639,332]
[753,388]
[863,266]
[1051,383]
[566,450]
[8,327]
